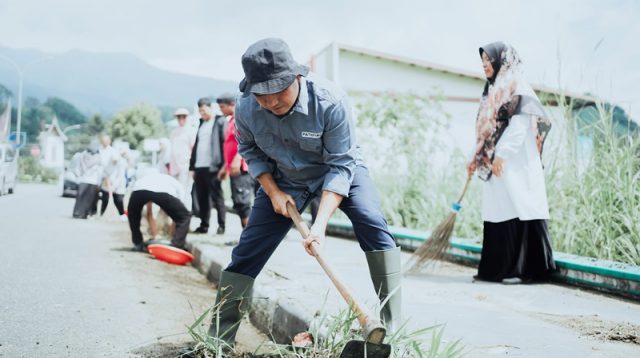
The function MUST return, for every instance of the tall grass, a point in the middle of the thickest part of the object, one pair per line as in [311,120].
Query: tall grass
[414,161]
[30,170]
[330,334]
[594,197]
[593,194]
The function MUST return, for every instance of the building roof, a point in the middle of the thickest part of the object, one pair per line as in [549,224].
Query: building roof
[54,129]
[453,71]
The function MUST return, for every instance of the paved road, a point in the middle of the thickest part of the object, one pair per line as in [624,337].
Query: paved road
[491,320]
[71,288]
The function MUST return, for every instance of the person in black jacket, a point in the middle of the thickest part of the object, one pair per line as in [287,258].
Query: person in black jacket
[206,163]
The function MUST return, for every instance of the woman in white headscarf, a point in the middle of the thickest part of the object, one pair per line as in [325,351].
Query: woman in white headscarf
[510,131]
[89,174]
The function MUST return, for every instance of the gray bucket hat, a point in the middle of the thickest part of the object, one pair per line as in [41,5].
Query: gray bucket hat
[269,67]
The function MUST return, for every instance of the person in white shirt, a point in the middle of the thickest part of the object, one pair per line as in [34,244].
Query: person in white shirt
[206,163]
[107,153]
[116,183]
[510,131]
[164,155]
[182,140]
[164,191]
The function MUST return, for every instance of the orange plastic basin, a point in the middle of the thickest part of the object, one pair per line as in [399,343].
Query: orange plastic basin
[170,254]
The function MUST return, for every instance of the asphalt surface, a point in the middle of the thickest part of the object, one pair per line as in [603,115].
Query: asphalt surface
[72,288]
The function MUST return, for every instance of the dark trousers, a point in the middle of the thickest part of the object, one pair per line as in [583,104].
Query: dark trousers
[242,187]
[118,201]
[313,207]
[516,248]
[208,186]
[170,204]
[85,199]
[266,229]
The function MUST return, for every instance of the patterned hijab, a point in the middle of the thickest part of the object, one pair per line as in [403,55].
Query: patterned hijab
[505,94]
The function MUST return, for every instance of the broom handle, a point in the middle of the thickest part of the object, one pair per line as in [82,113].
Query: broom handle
[464,191]
[362,316]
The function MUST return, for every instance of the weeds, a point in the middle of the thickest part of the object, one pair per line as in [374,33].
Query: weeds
[594,195]
[30,170]
[592,172]
[331,333]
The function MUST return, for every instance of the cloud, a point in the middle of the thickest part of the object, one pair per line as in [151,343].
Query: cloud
[208,37]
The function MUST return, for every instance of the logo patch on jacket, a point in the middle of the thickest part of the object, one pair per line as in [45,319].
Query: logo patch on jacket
[311,135]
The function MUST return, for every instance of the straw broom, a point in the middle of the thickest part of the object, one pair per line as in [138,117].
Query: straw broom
[436,246]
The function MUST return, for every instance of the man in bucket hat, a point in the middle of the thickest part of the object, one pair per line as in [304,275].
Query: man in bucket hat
[297,134]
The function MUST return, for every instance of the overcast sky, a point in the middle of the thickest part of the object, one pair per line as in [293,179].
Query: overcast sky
[578,45]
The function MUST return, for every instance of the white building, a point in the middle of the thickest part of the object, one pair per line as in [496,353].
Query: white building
[52,146]
[362,70]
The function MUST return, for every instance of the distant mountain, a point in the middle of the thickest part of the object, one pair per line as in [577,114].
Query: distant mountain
[104,82]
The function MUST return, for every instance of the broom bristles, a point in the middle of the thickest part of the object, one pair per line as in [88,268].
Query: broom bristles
[436,246]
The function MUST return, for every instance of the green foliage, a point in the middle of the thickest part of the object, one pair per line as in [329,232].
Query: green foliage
[331,333]
[594,199]
[30,170]
[34,117]
[408,149]
[136,123]
[95,125]
[5,96]
[67,114]
[80,139]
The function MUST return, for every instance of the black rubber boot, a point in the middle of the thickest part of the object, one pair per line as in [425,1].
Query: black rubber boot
[386,275]
[234,293]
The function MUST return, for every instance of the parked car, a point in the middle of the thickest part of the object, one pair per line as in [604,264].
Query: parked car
[70,179]
[8,168]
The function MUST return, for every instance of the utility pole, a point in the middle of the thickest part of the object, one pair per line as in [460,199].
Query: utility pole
[20,72]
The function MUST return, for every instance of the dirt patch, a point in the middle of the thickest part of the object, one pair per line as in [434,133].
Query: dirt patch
[160,350]
[176,350]
[592,326]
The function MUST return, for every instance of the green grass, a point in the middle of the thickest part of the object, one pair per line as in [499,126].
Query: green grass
[331,333]
[595,204]
[594,200]
[30,170]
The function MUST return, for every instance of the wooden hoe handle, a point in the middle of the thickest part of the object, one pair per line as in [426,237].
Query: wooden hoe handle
[373,329]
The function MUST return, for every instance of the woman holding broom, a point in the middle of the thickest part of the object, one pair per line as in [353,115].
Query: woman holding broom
[510,131]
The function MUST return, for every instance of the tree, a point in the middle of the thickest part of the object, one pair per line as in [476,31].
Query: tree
[95,125]
[80,139]
[136,123]
[67,113]
[5,95]
[34,117]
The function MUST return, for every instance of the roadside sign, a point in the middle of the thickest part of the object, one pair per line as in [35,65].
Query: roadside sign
[13,136]
[35,151]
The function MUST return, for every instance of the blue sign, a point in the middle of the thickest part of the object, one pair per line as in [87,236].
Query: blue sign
[13,136]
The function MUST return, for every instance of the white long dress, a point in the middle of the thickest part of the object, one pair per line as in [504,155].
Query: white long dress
[520,191]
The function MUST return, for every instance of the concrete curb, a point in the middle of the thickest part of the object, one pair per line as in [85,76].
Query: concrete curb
[281,318]
[271,313]
[601,275]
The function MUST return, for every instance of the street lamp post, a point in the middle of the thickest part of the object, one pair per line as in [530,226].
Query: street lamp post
[72,127]
[20,85]
[19,70]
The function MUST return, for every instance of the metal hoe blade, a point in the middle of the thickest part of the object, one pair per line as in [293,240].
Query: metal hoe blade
[362,349]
